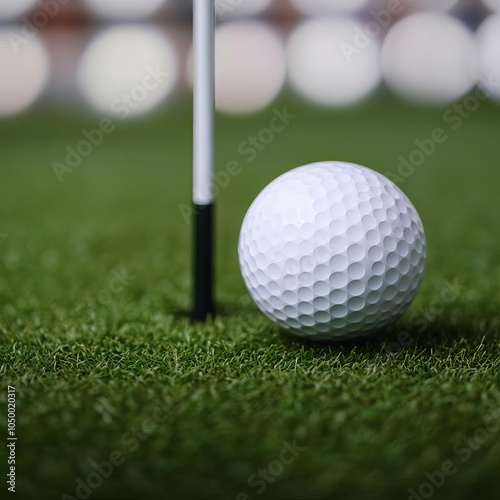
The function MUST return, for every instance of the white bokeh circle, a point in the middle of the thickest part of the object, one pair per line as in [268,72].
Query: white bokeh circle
[250,68]
[494,5]
[240,8]
[439,5]
[10,9]
[25,69]
[322,7]
[430,58]
[488,36]
[124,9]
[327,67]
[128,70]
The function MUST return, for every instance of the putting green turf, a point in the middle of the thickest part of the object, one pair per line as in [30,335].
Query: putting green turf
[95,359]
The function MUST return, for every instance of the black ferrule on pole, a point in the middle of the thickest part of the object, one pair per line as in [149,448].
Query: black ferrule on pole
[203,262]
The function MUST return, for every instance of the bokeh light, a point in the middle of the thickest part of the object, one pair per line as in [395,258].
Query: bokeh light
[488,37]
[321,7]
[125,9]
[326,66]
[25,71]
[494,5]
[430,58]
[128,70]
[250,67]
[233,9]
[10,9]
[442,5]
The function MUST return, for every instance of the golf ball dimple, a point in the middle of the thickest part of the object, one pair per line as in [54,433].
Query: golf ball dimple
[332,251]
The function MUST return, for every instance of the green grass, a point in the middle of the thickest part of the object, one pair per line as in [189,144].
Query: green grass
[91,365]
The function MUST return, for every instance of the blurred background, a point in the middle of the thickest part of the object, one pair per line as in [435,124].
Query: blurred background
[95,183]
[130,57]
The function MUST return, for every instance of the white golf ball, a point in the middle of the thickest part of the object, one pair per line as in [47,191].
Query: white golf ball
[332,251]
